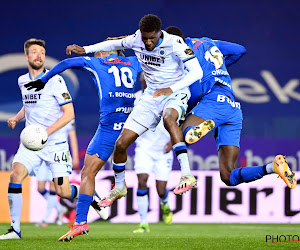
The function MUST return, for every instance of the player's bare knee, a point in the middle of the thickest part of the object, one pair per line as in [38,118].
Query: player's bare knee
[120,146]
[17,175]
[225,177]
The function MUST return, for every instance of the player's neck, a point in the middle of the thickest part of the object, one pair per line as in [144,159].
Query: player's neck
[34,73]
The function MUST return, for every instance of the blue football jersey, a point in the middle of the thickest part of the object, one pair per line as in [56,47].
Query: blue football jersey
[114,77]
[212,61]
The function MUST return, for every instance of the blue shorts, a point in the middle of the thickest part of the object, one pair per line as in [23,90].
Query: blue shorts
[103,141]
[227,115]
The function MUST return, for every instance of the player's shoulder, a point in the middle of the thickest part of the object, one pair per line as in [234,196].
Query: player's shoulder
[23,78]
[171,39]
[56,79]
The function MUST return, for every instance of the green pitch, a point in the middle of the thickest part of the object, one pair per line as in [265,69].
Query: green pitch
[105,235]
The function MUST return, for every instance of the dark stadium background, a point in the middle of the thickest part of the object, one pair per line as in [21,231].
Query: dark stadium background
[268,29]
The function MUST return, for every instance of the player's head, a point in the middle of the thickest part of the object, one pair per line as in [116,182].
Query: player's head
[35,53]
[173,30]
[150,27]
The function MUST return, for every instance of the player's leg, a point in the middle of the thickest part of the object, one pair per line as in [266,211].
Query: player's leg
[18,174]
[174,111]
[92,165]
[129,134]
[23,163]
[143,203]
[162,170]
[233,176]
[195,127]
[53,202]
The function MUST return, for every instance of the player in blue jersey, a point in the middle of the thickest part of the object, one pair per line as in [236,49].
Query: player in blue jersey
[218,107]
[114,76]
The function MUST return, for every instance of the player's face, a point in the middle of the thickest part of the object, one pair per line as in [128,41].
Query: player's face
[36,56]
[150,39]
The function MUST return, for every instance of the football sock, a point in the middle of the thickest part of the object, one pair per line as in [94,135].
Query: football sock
[83,205]
[247,174]
[75,191]
[180,150]
[51,204]
[143,203]
[15,204]
[45,193]
[270,168]
[164,200]
[119,169]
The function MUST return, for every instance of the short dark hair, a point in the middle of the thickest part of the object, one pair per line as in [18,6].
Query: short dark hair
[173,30]
[150,23]
[33,41]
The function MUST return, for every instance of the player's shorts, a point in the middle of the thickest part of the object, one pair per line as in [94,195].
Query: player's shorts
[103,142]
[148,111]
[227,115]
[146,162]
[44,173]
[57,158]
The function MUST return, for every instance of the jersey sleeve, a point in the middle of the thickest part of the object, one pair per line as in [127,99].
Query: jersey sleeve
[60,91]
[183,51]
[232,51]
[62,66]
[128,41]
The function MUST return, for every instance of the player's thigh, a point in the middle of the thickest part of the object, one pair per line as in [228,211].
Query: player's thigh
[29,159]
[18,173]
[92,165]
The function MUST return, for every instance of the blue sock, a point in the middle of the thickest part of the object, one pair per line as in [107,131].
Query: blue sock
[247,174]
[187,130]
[83,205]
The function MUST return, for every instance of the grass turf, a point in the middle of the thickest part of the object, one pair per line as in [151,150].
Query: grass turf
[105,235]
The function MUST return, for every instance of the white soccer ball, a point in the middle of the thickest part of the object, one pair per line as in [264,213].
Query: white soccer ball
[34,137]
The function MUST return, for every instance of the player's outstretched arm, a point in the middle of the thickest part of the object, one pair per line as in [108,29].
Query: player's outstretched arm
[12,122]
[232,51]
[58,68]
[104,46]
[68,115]
[76,49]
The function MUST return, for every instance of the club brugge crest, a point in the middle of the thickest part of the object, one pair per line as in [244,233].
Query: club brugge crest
[162,52]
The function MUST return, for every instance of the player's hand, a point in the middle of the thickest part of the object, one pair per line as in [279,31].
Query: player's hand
[12,122]
[37,84]
[76,49]
[164,91]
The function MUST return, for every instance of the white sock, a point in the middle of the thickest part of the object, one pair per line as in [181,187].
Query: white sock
[15,206]
[51,204]
[119,176]
[165,200]
[184,164]
[270,168]
[181,153]
[120,180]
[143,204]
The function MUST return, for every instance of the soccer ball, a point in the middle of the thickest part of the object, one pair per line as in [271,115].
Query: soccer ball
[34,137]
